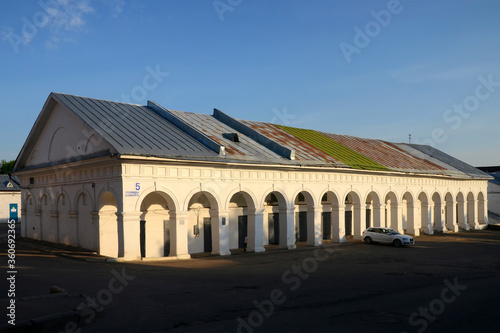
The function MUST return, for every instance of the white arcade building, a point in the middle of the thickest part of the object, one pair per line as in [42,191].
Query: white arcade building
[132,181]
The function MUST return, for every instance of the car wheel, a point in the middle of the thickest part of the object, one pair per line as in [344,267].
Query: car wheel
[368,240]
[397,243]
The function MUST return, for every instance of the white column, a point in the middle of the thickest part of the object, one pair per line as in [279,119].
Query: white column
[220,232]
[485,213]
[129,242]
[413,221]
[474,222]
[287,228]
[430,219]
[376,215]
[338,224]
[450,216]
[461,216]
[358,217]
[179,235]
[398,222]
[314,236]
[255,242]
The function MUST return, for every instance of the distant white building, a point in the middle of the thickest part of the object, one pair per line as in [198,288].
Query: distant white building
[135,181]
[10,198]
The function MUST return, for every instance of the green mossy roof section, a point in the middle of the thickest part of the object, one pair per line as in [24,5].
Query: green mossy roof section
[334,149]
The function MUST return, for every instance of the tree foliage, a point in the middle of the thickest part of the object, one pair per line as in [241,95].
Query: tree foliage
[6,166]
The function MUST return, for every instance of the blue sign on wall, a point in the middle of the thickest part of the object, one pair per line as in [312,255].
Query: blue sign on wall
[13,212]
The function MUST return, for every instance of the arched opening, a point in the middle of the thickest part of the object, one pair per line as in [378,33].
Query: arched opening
[449,213]
[275,220]
[353,216]
[47,227]
[304,217]
[202,222]
[423,213]
[391,212]
[437,216]
[372,210]
[461,212]
[471,210]
[108,225]
[330,226]
[157,215]
[30,216]
[66,230]
[86,227]
[409,224]
[481,209]
[241,218]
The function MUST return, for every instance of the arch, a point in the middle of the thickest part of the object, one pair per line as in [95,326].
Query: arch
[89,198]
[393,213]
[108,224]
[410,223]
[157,216]
[86,227]
[461,211]
[279,219]
[423,213]
[333,225]
[203,222]
[373,209]
[283,200]
[104,195]
[211,196]
[48,224]
[471,210]
[249,196]
[242,223]
[450,211]
[30,218]
[66,231]
[331,194]
[168,195]
[482,215]
[437,221]
[303,204]
[354,214]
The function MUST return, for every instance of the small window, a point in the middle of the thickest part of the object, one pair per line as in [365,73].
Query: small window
[32,180]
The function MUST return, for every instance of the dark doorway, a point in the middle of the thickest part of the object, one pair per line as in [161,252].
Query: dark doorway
[143,238]
[166,238]
[327,225]
[348,223]
[242,230]
[301,227]
[274,228]
[207,234]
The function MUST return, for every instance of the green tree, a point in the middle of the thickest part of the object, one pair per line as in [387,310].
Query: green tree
[7,166]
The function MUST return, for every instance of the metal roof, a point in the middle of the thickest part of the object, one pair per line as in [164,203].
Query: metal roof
[7,185]
[134,129]
[156,131]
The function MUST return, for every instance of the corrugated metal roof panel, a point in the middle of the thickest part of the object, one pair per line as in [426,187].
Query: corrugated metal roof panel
[245,149]
[334,149]
[134,129]
[387,154]
[304,152]
[452,162]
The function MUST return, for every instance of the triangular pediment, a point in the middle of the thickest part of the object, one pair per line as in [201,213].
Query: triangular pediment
[60,136]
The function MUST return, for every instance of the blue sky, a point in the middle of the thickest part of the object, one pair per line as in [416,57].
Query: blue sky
[377,69]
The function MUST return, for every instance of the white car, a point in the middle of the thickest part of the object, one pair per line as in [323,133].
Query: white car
[386,235]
